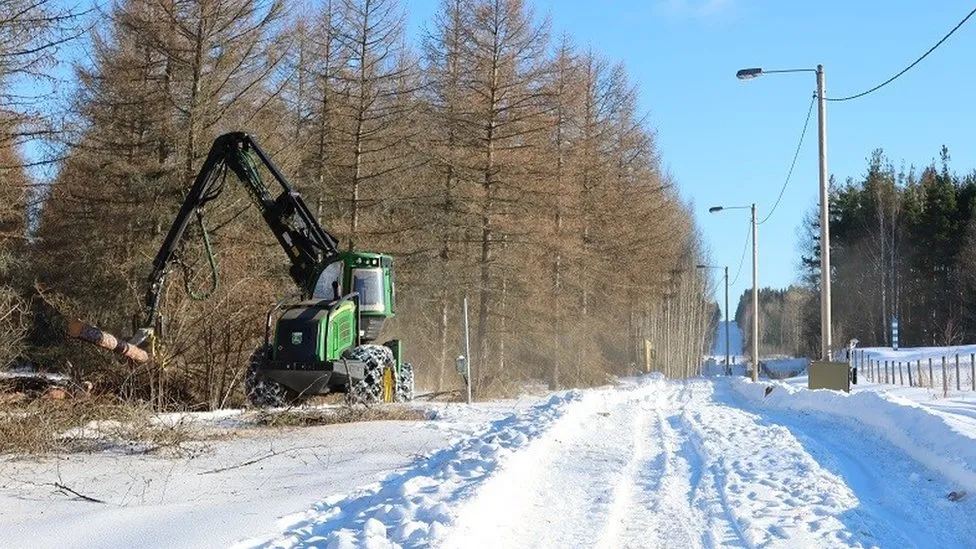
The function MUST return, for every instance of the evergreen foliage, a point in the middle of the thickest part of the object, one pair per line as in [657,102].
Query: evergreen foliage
[902,245]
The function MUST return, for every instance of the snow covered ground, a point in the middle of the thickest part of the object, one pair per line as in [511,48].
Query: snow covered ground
[958,407]
[231,487]
[958,410]
[715,462]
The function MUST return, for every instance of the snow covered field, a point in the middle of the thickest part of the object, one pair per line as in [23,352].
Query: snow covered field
[712,462]
[218,492]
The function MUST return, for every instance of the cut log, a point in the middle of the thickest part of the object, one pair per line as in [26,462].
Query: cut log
[79,330]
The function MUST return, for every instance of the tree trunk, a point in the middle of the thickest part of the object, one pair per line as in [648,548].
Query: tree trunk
[90,334]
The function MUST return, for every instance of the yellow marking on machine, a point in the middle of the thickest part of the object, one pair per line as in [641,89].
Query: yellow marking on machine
[388,385]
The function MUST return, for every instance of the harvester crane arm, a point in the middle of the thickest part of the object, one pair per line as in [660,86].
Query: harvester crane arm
[307,245]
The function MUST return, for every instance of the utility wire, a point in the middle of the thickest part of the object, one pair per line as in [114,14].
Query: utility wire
[909,67]
[792,164]
[743,260]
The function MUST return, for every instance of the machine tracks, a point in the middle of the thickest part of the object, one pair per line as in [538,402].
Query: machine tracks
[632,476]
[657,509]
[673,464]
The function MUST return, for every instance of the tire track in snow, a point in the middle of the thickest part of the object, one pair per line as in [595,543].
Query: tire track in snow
[635,477]
[564,491]
[651,508]
[723,530]
[774,493]
[412,507]
[623,494]
[709,496]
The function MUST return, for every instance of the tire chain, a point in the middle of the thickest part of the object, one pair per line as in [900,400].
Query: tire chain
[259,390]
[375,358]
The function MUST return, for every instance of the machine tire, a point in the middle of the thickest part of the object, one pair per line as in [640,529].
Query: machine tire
[404,385]
[261,391]
[376,358]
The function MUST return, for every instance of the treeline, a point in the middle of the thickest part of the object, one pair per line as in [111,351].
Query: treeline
[784,321]
[903,244]
[30,33]
[492,161]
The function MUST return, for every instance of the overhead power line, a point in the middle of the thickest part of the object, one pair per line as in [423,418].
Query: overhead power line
[796,155]
[743,260]
[909,67]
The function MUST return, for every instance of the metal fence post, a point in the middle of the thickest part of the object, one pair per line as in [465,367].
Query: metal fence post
[901,375]
[931,376]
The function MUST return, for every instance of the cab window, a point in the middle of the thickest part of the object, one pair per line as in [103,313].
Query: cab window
[324,288]
[369,284]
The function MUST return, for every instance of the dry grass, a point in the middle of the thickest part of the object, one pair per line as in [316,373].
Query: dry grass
[307,417]
[103,423]
[454,395]
[88,424]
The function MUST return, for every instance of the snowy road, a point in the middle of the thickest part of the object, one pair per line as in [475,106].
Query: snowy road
[655,464]
[677,465]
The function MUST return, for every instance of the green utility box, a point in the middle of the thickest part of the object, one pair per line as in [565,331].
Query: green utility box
[830,375]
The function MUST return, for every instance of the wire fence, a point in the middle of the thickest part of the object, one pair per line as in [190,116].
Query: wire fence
[947,373]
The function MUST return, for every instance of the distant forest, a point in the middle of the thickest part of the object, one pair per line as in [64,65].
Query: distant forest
[902,244]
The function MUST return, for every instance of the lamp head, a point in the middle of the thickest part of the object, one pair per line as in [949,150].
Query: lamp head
[747,74]
[714,209]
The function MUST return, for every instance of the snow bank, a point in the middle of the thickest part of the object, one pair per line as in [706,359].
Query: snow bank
[925,436]
[412,508]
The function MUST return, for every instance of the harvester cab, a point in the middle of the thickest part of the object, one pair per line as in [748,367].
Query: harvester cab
[370,276]
[320,340]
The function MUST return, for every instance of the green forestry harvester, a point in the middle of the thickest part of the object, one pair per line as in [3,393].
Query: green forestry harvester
[321,340]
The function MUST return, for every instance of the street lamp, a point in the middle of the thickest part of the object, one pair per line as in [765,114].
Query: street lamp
[728,362]
[825,335]
[755,285]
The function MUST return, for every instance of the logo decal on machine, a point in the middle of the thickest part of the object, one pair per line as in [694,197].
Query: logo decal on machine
[296,338]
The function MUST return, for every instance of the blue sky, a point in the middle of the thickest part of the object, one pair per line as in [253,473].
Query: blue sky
[730,142]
